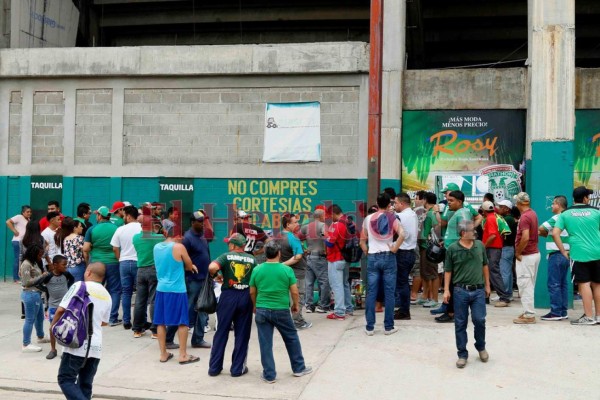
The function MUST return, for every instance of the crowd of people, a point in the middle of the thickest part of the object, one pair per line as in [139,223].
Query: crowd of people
[272,276]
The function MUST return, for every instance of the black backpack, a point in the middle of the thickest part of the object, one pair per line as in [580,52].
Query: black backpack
[351,251]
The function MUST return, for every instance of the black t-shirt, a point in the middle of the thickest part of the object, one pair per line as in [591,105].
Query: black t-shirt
[252,233]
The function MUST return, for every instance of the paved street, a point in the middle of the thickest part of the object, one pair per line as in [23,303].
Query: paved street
[548,360]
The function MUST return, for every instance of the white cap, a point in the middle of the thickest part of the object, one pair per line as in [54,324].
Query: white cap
[242,214]
[505,203]
[487,206]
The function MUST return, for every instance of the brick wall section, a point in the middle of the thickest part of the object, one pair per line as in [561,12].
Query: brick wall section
[93,126]
[48,128]
[213,126]
[14,128]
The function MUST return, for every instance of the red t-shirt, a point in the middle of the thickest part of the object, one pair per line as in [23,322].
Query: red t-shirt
[529,221]
[490,228]
[337,235]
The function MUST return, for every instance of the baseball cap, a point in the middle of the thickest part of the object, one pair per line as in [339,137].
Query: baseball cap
[522,198]
[198,216]
[103,211]
[242,214]
[237,239]
[581,191]
[117,205]
[505,203]
[451,187]
[126,203]
[487,206]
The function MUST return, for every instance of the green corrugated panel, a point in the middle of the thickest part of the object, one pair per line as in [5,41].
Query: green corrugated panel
[95,191]
[67,206]
[139,190]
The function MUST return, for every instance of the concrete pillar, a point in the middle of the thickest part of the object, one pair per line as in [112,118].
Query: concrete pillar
[551,113]
[394,50]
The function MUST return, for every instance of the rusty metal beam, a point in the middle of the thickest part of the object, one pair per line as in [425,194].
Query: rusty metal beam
[375,82]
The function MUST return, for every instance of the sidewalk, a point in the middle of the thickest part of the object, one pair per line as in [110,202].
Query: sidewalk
[549,360]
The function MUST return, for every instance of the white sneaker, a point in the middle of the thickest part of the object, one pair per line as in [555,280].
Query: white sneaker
[391,331]
[206,329]
[494,298]
[306,371]
[31,348]
[369,333]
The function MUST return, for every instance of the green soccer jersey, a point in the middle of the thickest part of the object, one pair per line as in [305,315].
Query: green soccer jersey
[564,235]
[429,223]
[144,243]
[117,221]
[452,234]
[236,269]
[583,224]
[272,281]
[100,236]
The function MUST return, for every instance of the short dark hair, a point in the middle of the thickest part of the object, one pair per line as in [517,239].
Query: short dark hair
[335,209]
[286,219]
[489,197]
[52,214]
[131,211]
[58,259]
[54,203]
[420,194]
[403,198]
[272,248]
[171,210]
[25,208]
[562,201]
[430,198]
[458,195]
[82,209]
[383,200]
[390,192]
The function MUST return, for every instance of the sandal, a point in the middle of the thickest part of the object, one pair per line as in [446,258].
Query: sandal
[191,359]
[170,355]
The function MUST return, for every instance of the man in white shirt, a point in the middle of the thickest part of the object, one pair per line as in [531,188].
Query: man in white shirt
[122,243]
[17,225]
[406,255]
[378,231]
[76,373]
[49,233]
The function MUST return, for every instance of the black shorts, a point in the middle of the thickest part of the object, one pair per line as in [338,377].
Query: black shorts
[588,271]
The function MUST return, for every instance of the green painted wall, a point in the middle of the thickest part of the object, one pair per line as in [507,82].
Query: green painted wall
[549,173]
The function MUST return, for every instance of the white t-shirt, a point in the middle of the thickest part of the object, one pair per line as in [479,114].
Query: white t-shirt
[377,242]
[410,222]
[53,249]
[102,304]
[20,223]
[123,238]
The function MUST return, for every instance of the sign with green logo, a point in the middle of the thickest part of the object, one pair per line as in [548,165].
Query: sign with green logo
[587,152]
[478,149]
[43,190]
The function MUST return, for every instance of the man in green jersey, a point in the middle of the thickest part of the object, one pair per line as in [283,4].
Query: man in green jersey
[582,221]
[271,285]
[558,264]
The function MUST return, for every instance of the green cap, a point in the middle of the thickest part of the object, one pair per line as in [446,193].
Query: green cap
[104,211]
[451,187]
[237,239]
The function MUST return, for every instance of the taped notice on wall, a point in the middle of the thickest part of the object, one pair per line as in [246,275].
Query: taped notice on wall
[292,132]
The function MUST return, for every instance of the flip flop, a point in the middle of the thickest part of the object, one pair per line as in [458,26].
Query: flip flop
[191,359]
[170,355]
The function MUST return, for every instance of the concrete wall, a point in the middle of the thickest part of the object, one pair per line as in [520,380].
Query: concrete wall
[173,112]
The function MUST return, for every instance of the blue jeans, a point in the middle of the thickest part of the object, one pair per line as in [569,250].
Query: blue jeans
[78,271]
[128,272]
[381,266]
[266,320]
[338,281]
[74,378]
[16,245]
[558,271]
[197,320]
[34,315]
[463,300]
[506,268]
[405,260]
[317,271]
[113,286]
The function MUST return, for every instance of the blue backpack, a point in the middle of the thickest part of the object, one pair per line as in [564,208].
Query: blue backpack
[76,324]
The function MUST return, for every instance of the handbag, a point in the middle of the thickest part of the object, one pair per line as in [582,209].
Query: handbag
[207,301]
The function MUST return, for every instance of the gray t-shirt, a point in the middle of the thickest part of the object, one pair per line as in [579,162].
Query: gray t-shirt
[57,286]
[313,232]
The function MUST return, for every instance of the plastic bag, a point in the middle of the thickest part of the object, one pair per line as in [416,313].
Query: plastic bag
[207,301]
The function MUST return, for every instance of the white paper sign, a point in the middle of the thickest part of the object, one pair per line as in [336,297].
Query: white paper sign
[292,132]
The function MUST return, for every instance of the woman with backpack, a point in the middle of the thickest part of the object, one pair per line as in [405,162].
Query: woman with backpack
[31,274]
